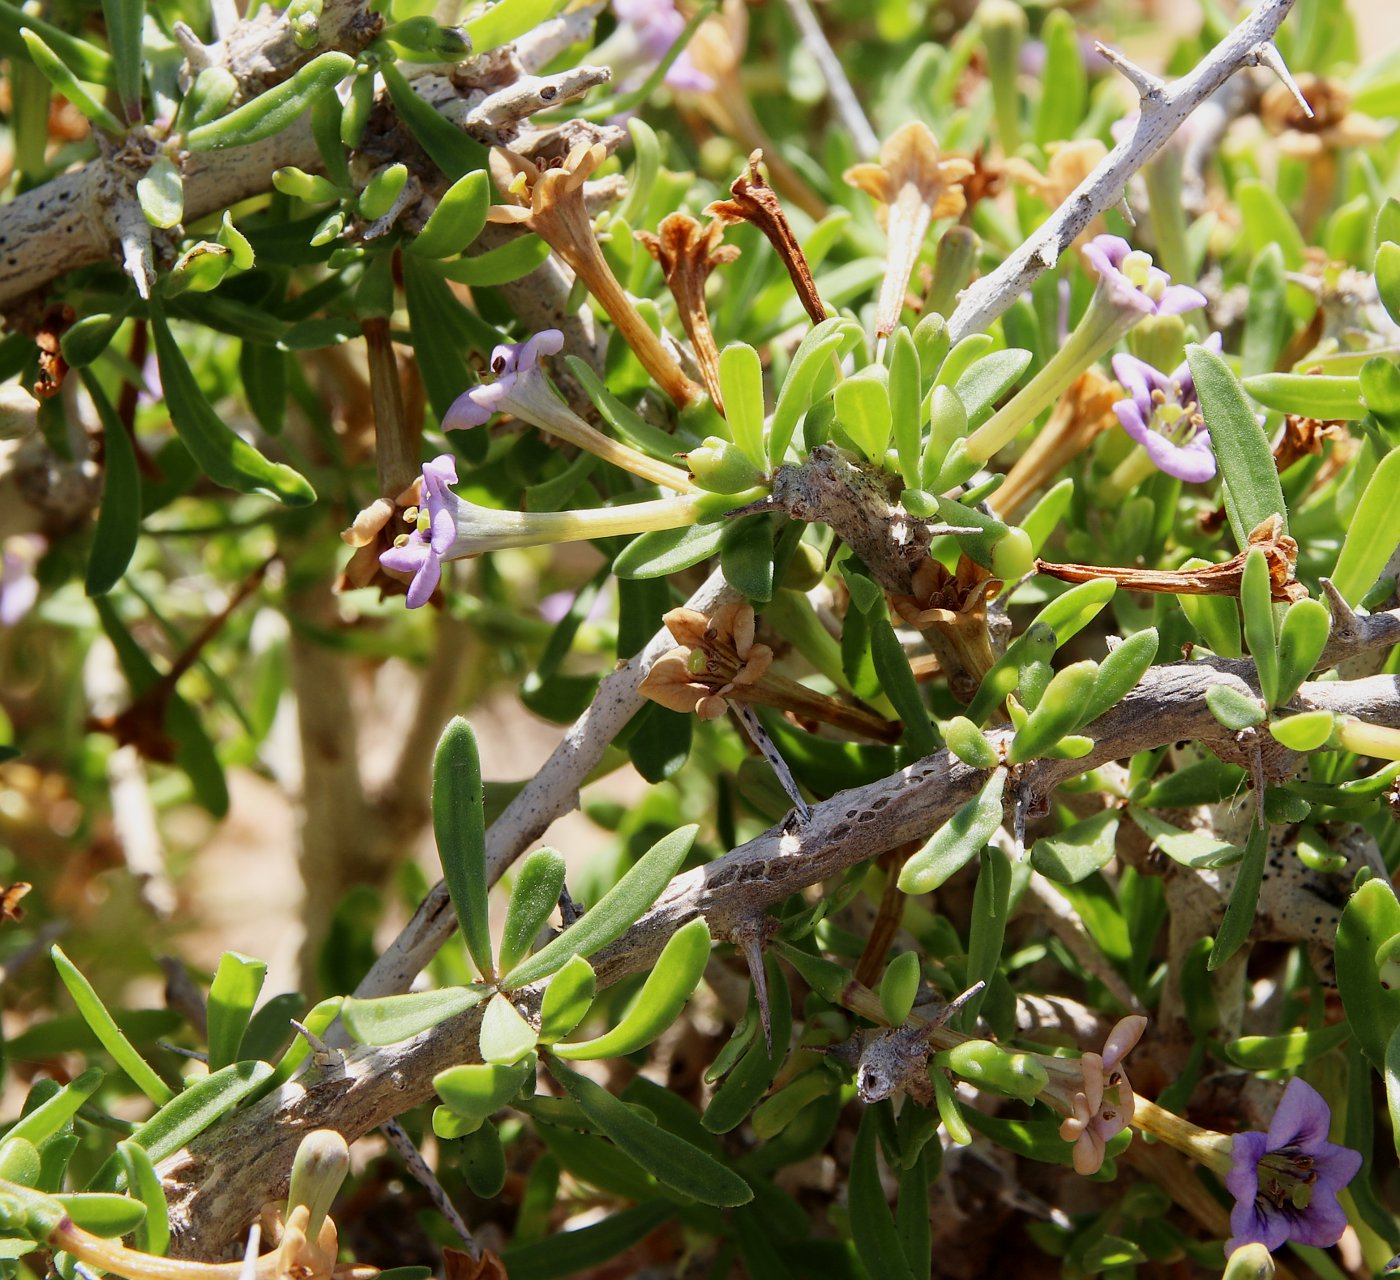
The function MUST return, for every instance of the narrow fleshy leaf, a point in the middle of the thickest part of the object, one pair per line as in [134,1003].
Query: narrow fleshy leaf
[666,551]
[906,405]
[1078,851]
[1306,732]
[1252,489]
[1365,947]
[872,1224]
[102,1213]
[459,826]
[119,517]
[1059,712]
[1372,535]
[61,76]
[1257,610]
[1286,1052]
[1310,395]
[502,265]
[50,1116]
[389,1019]
[232,996]
[1303,636]
[1244,898]
[863,409]
[899,986]
[161,193]
[532,901]
[153,1231]
[1119,673]
[187,1115]
[478,1090]
[741,385]
[957,841]
[614,912]
[1234,708]
[810,362]
[502,22]
[457,220]
[567,999]
[668,986]
[750,1078]
[672,1161]
[95,1014]
[224,456]
[273,111]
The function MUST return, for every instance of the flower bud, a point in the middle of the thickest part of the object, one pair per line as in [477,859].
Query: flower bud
[953,266]
[381,191]
[966,741]
[722,467]
[1250,1262]
[321,1165]
[989,1066]
[1013,555]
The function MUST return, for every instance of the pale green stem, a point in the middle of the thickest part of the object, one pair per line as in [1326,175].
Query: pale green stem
[1368,739]
[1203,1145]
[1127,475]
[1103,324]
[481,529]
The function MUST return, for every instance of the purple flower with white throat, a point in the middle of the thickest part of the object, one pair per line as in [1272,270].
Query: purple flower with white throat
[1163,415]
[1133,283]
[422,552]
[520,387]
[1130,289]
[1285,1182]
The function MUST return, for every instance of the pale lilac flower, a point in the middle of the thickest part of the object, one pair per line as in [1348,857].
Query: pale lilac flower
[519,386]
[1163,415]
[1130,289]
[19,588]
[1133,283]
[448,527]
[422,552]
[655,25]
[1285,1182]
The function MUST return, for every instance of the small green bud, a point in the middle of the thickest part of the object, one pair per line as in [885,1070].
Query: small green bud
[953,265]
[966,741]
[989,1066]
[304,17]
[200,268]
[381,191]
[805,569]
[722,467]
[1013,555]
[321,1165]
[300,185]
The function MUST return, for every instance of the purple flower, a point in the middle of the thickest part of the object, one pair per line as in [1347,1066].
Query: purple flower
[1164,417]
[1285,1182]
[656,25]
[422,552]
[518,383]
[1134,284]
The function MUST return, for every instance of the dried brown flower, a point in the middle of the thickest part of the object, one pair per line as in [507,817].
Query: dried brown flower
[950,608]
[753,200]
[688,253]
[1070,163]
[550,203]
[717,659]
[913,185]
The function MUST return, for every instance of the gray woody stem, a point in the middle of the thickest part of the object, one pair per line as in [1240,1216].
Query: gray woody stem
[1164,108]
[213,1198]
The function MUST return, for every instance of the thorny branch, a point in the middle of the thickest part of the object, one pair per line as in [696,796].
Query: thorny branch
[213,1199]
[1164,108]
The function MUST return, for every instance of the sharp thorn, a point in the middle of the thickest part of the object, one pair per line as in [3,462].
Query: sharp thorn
[748,936]
[1268,56]
[1147,85]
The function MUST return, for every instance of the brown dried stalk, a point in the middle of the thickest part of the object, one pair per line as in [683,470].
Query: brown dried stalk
[1280,551]
[756,202]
